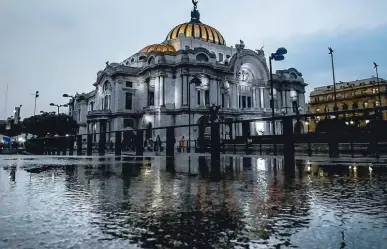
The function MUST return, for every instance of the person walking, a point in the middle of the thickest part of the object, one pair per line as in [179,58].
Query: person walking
[182,144]
[158,143]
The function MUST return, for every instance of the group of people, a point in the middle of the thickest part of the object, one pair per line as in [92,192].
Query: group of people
[153,145]
[150,144]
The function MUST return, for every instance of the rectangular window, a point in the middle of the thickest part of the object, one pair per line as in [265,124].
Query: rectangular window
[106,103]
[129,84]
[198,97]
[128,123]
[220,57]
[223,99]
[128,101]
[207,97]
[249,102]
[243,101]
[79,115]
[240,102]
[151,98]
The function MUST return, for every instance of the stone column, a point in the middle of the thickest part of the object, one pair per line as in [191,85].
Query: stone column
[213,91]
[267,128]
[289,102]
[219,94]
[252,129]
[237,96]
[261,98]
[301,102]
[157,91]
[146,94]
[192,96]
[254,98]
[184,91]
[162,90]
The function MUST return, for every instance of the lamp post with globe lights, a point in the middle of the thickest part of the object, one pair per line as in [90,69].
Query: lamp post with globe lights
[58,106]
[379,93]
[335,108]
[277,56]
[72,101]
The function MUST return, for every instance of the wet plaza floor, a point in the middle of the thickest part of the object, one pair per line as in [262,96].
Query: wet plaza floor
[62,202]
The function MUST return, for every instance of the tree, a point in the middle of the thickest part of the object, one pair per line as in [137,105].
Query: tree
[15,129]
[47,123]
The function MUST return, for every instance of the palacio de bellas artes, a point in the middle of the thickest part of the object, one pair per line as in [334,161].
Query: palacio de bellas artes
[174,82]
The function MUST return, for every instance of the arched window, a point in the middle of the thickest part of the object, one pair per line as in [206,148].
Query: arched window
[202,57]
[345,106]
[365,104]
[355,105]
[376,103]
[151,60]
[220,57]
[105,86]
[106,103]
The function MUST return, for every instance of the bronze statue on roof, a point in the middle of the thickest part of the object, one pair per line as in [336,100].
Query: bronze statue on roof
[195,3]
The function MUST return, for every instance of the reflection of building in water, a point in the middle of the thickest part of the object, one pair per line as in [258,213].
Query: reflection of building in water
[190,70]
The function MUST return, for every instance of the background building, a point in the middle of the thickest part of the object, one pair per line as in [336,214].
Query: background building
[350,96]
[174,83]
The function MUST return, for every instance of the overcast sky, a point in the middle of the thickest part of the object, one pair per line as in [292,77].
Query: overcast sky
[58,46]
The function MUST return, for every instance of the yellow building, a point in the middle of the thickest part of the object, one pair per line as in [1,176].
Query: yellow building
[350,95]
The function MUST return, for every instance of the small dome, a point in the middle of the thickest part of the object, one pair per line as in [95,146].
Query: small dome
[163,48]
[198,31]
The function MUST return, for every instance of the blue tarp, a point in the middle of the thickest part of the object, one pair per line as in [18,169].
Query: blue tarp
[7,139]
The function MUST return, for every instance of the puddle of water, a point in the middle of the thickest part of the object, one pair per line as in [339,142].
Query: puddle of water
[245,202]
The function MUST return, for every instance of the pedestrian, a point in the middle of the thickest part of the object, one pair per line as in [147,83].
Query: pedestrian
[158,142]
[182,144]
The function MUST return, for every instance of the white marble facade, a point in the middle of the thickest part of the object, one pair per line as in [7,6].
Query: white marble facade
[160,85]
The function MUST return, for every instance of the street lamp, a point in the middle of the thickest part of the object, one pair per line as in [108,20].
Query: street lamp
[377,80]
[58,106]
[36,94]
[334,79]
[65,95]
[277,56]
[72,102]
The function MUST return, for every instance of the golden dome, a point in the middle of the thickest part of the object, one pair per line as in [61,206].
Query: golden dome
[159,48]
[197,30]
